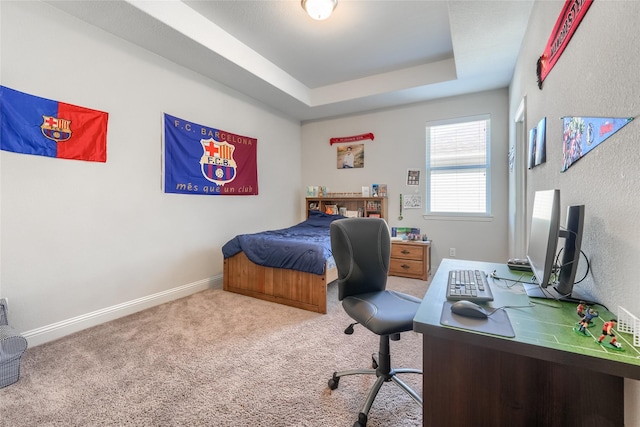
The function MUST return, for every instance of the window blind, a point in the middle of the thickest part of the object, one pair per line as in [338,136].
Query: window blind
[457,166]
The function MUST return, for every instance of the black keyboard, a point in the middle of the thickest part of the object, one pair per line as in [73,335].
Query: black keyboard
[470,285]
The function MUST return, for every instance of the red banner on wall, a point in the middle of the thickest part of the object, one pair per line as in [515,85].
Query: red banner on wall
[354,138]
[567,23]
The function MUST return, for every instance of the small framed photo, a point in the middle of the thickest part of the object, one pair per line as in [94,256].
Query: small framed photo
[413,177]
[411,201]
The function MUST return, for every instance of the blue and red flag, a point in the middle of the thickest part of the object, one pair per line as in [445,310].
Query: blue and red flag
[204,160]
[33,125]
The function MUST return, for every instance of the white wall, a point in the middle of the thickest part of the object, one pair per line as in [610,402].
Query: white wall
[597,76]
[80,237]
[399,145]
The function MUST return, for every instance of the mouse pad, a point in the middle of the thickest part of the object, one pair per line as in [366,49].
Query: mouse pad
[496,324]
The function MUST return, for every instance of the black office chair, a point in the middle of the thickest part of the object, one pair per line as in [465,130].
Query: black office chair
[361,248]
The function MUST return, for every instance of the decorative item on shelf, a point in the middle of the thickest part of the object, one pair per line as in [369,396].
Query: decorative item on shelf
[331,209]
[312,191]
[345,194]
[365,191]
[373,205]
[406,233]
[379,190]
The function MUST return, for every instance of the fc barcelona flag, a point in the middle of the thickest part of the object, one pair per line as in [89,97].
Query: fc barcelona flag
[202,160]
[33,125]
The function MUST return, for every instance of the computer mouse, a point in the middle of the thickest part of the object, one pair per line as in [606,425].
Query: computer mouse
[468,309]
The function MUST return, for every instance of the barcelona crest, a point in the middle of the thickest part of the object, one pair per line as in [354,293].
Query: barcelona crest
[217,162]
[56,129]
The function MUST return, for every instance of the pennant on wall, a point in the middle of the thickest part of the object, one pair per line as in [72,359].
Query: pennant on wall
[583,134]
[33,125]
[572,13]
[203,160]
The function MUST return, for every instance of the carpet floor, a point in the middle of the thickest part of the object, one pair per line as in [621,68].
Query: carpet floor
[214,359]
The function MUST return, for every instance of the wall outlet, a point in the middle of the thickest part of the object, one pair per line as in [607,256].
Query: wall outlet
[452,251]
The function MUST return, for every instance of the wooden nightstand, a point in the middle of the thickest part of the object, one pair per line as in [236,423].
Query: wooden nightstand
[410,259]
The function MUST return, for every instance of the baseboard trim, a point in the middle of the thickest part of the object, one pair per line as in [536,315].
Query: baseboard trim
[75,324]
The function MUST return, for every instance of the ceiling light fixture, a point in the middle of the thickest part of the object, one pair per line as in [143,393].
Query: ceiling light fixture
[319,9]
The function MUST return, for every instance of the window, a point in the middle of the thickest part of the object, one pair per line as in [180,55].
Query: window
[458,167]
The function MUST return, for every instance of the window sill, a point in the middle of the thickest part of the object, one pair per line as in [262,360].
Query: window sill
[454,217]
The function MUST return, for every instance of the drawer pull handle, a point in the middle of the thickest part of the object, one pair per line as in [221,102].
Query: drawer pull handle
[405,266]
[405,252]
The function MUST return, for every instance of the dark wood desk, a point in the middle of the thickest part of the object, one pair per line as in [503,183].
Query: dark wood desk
[538,378]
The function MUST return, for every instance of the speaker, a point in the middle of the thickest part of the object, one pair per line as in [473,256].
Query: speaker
[571,250]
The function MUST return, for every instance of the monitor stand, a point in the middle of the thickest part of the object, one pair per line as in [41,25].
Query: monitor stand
[535,291]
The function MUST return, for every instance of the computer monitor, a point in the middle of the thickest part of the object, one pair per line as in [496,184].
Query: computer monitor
[543,243]
[543,235]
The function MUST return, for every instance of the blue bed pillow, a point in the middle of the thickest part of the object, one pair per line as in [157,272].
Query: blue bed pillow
[321,219]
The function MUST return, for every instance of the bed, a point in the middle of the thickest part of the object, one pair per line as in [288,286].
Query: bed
[290,266]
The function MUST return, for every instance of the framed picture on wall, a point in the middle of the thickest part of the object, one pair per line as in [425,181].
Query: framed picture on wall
[541,142]
[411,201]
[350,156]
[532,148]
[413,177]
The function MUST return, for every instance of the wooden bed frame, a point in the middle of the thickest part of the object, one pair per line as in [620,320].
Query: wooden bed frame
[289,287]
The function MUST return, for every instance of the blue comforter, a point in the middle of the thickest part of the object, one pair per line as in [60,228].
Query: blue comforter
[305,246]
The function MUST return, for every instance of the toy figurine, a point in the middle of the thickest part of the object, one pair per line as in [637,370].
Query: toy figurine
[580,309]
[586,320]
[607,329]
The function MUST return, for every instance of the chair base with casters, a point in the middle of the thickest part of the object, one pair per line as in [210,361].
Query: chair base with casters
[382,369]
